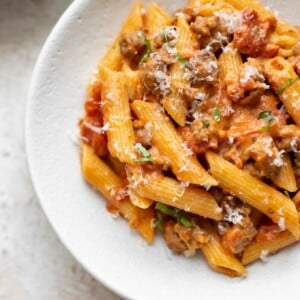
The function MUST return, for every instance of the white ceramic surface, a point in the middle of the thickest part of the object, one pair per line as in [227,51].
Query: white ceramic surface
[105,246]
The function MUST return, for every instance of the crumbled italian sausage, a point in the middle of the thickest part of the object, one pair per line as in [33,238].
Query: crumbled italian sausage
[251,36]
[131,45]
[203,67]
[180,238]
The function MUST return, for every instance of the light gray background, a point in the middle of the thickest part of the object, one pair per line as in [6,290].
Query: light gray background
[33,263]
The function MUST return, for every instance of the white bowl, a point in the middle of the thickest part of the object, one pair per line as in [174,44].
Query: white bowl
[104,246]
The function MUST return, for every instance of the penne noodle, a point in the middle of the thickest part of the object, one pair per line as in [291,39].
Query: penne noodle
[186,43]
[139,201]
[116,113]
[230,62]
[169,143]
[256,250]
[173,193]
[285,179]
[156,19]
[104,180]
[254,192]
[98,174]
[279,71]
[218,258]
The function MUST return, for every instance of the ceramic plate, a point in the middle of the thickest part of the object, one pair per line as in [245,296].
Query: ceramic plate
[104,246]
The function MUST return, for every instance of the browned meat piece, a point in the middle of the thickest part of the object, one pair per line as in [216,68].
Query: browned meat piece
[159,38]
[194,237]
[180,238]
[266,155]
[91,132]
[200,139]
[131,45]
[203,67]
[267,232]
[237,237]
[188,12]
[154,75]
[248,85]
[251,36]
[173,240]
[204,25]
[287,137]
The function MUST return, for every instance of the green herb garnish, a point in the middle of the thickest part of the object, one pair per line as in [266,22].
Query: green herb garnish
[147,43]
[217,114]
[287,193]
[269,117]
[159,220]
[205,123]
[175,213]
[182,60]
[288,83]
[146,155]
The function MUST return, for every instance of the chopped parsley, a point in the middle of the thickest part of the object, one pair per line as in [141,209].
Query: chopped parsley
[142,36]
[182,60]
[269,117]
[287,193]
[288,83]
[205,123]
[217,114]
[146,155]
[175,213]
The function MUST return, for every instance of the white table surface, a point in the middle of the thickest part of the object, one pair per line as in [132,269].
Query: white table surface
[33,262]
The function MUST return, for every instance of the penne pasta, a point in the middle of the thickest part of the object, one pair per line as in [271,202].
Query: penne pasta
[280,73]
[230,62]
[285,178]
[156,19]
[174,103]
[104,180]
[139,201]
[218,258]
[255,193]
[183,163]
[173,193]
[116,113]
[260,250]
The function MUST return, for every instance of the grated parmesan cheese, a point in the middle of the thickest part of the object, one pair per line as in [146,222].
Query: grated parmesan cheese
[264,255]
[278,162]
[281,223]
[189,252]
[99,130]
[163,82]
[232,215]
[230,21]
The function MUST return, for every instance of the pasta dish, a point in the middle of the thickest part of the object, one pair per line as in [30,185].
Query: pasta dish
[192,129]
